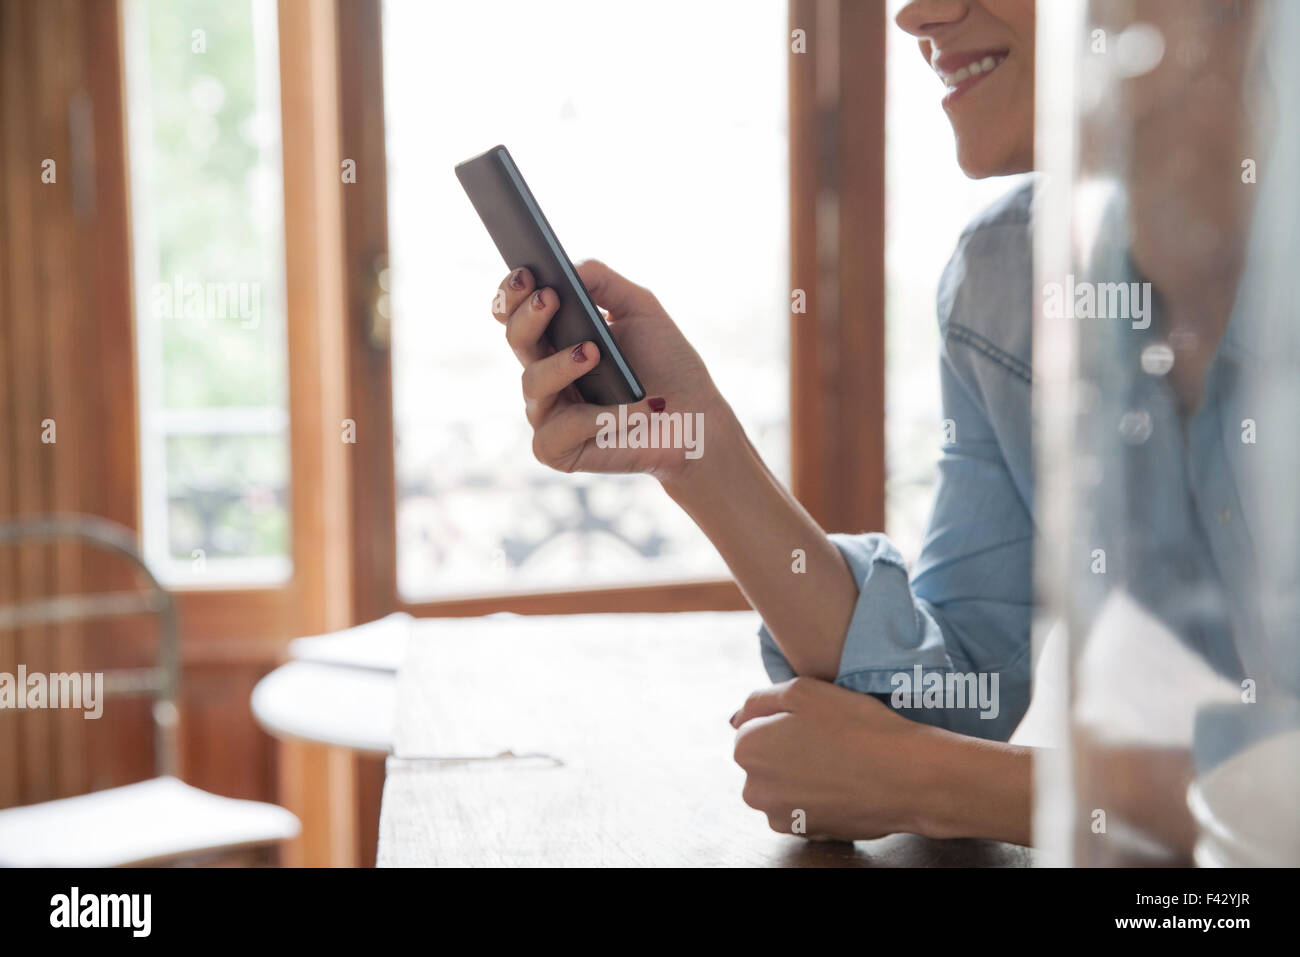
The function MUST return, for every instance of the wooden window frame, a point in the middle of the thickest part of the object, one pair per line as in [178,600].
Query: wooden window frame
[336,236]
[837,251]
[223,624]
[66,353]
[837,370]
[343,506]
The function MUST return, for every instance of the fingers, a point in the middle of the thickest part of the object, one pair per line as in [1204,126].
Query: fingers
[545,379]
[526,312]
[777,699]
[568,427]
[527,324]
[514,289]
[555,438]
[612,291]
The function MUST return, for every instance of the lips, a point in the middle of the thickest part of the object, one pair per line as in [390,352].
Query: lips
[960,71]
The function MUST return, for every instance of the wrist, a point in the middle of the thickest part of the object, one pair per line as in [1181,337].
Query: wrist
[973,788]
[725,454]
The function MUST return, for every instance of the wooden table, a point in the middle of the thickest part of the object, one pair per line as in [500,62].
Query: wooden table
[596,740]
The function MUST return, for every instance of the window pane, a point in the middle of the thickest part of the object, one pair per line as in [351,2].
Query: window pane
[929,202]
[654,137]
[204,121]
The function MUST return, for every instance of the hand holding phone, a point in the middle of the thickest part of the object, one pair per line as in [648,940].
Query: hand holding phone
[525,239]
[567,426]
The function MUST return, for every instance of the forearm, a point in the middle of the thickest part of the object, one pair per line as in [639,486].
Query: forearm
[785,564]
[976,788]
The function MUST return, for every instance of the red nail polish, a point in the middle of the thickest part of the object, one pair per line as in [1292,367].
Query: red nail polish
[517,279]
[539,302]
[656,404]
[579,352]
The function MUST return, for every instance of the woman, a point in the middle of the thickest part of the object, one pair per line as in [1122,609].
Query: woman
[827,738]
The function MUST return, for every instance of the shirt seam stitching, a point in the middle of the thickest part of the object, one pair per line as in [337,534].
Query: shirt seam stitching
[990,351]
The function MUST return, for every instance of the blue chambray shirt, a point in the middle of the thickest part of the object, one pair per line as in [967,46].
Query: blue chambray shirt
[1202,532]
[968,603]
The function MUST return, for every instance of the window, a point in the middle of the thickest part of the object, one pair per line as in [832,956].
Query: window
[696,210]
[203,112]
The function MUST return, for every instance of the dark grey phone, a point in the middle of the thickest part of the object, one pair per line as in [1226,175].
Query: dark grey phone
[524,238]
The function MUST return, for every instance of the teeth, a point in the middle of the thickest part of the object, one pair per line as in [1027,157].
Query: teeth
[989,63]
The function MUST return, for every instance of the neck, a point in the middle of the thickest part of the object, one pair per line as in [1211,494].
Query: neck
[1190,218]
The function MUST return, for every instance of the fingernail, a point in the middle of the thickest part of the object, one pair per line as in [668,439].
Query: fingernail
[732,720]
[656,404]
[539,301]
[578,353]
[517,279]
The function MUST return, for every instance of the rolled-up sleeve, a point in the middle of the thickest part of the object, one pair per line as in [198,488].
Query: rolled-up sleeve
[889,629]
[967,606]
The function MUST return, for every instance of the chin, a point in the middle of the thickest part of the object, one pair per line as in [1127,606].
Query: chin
[977,164]
[980,162]
[976,168]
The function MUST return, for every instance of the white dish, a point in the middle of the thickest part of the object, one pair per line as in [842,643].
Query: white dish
[1248,807]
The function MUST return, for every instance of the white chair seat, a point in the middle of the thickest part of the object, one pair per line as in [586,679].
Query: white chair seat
[144,822]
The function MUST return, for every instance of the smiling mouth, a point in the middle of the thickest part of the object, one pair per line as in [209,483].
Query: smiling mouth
[958,81]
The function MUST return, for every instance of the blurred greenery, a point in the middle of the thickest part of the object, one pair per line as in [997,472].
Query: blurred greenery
[226,495]
[214,200]
[212,191]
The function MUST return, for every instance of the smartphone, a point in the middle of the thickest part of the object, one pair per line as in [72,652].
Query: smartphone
[524,238]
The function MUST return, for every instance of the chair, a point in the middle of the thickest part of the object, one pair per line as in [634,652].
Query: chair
[158,821]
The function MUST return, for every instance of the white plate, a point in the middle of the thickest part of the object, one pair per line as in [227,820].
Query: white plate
[1248,807]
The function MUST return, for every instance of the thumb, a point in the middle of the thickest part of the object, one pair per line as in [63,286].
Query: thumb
[613,291]
[764,702]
